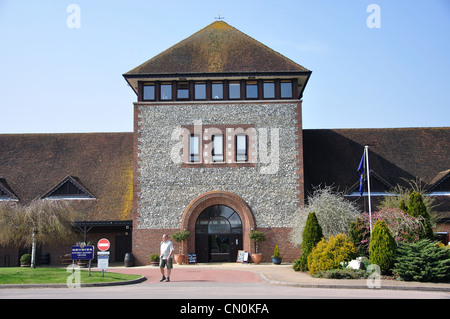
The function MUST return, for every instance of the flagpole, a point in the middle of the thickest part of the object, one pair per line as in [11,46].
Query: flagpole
[366,150]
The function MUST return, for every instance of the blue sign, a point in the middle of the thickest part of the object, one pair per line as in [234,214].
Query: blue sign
[85,253]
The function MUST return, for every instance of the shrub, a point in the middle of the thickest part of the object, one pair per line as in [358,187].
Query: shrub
[257,237]
[329,255]
[423,261]
[334,213]
[25,259]
[346,273]
[382,247]
[312,234]
[417,208]
[276,252]
[402,226]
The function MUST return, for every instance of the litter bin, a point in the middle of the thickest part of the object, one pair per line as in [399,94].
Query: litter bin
[129,260]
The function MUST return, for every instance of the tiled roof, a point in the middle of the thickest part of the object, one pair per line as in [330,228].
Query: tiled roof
[217,48]
[33,164]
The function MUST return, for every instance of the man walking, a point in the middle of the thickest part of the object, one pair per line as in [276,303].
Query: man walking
[166,256]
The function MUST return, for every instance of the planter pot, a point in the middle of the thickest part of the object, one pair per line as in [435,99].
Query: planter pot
[180,259]
[257,258]
[82,263]
[25,265]
[154,263]
[276,260]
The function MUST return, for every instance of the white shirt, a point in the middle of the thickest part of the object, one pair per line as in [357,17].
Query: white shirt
[166,248]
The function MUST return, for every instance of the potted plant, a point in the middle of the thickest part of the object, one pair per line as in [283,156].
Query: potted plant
[276,258]
[25,260]
[154,260]
[257,236]
[180,237]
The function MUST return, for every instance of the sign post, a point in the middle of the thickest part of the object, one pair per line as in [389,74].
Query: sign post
[82,252]
[103,255]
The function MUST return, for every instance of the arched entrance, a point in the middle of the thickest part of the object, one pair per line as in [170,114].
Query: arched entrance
[218,234]
[224,209]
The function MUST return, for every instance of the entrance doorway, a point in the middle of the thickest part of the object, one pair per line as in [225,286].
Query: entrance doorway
[218,234]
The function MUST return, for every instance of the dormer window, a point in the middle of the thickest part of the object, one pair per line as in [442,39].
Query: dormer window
[69,188]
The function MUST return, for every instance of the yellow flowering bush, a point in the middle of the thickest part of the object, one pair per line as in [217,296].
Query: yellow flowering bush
[329,255]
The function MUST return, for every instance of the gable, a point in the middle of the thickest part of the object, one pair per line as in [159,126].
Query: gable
[378,186]
[440,185]
[69,188]
[6,194]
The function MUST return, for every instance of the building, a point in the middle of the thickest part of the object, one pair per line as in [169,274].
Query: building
[218,149]
[218,144]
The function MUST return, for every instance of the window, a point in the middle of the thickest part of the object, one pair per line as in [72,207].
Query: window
[252,89]
[235,90]
[200,91]
[166,91]
[217,91]
[286,89]
[69,189]
[241,148]
[148,92]
[183,90]
[269,90]
[217,151]
[194,149]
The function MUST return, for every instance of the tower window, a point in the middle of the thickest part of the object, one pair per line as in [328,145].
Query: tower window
[217,90]
[235,90]
[194,149]
[269,90]
[148,92]
[183,90]
[252,89]
[286,89]
[241,148]
[217,151]
[200,91]
[166,91]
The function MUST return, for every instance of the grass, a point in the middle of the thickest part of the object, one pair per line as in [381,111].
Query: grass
[22,275]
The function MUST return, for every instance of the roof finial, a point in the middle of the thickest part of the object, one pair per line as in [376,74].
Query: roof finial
[219,18]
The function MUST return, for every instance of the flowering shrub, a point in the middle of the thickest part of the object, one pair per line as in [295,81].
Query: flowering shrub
[402,226]
[329,255]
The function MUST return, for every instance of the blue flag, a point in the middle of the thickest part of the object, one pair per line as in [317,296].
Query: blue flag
[361,174]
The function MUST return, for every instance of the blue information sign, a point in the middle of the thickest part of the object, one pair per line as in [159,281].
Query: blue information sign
[85,253]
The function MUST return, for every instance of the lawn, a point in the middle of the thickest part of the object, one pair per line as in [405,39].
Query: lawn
[22,275]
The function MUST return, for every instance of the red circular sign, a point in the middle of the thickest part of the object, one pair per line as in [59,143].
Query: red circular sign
[103,244]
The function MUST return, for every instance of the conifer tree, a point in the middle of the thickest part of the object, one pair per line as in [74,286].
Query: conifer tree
[416,208]
[423,260]
[382,247]
[312,234]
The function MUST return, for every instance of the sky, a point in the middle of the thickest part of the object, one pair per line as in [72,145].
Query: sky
[375,64]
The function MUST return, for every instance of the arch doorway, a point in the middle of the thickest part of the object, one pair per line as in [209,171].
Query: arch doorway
[218,234]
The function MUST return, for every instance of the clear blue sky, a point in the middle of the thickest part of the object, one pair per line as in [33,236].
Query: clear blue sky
[59,79]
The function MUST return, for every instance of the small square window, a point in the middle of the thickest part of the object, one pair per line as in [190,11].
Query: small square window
[200,91]
[252,90]
[148,92]
[166,91]
[235,90]
[183,91]
[286,89]
[217,91]
[269,90]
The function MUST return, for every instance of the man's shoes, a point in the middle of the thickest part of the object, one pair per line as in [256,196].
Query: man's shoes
[168,279]
[162,279]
